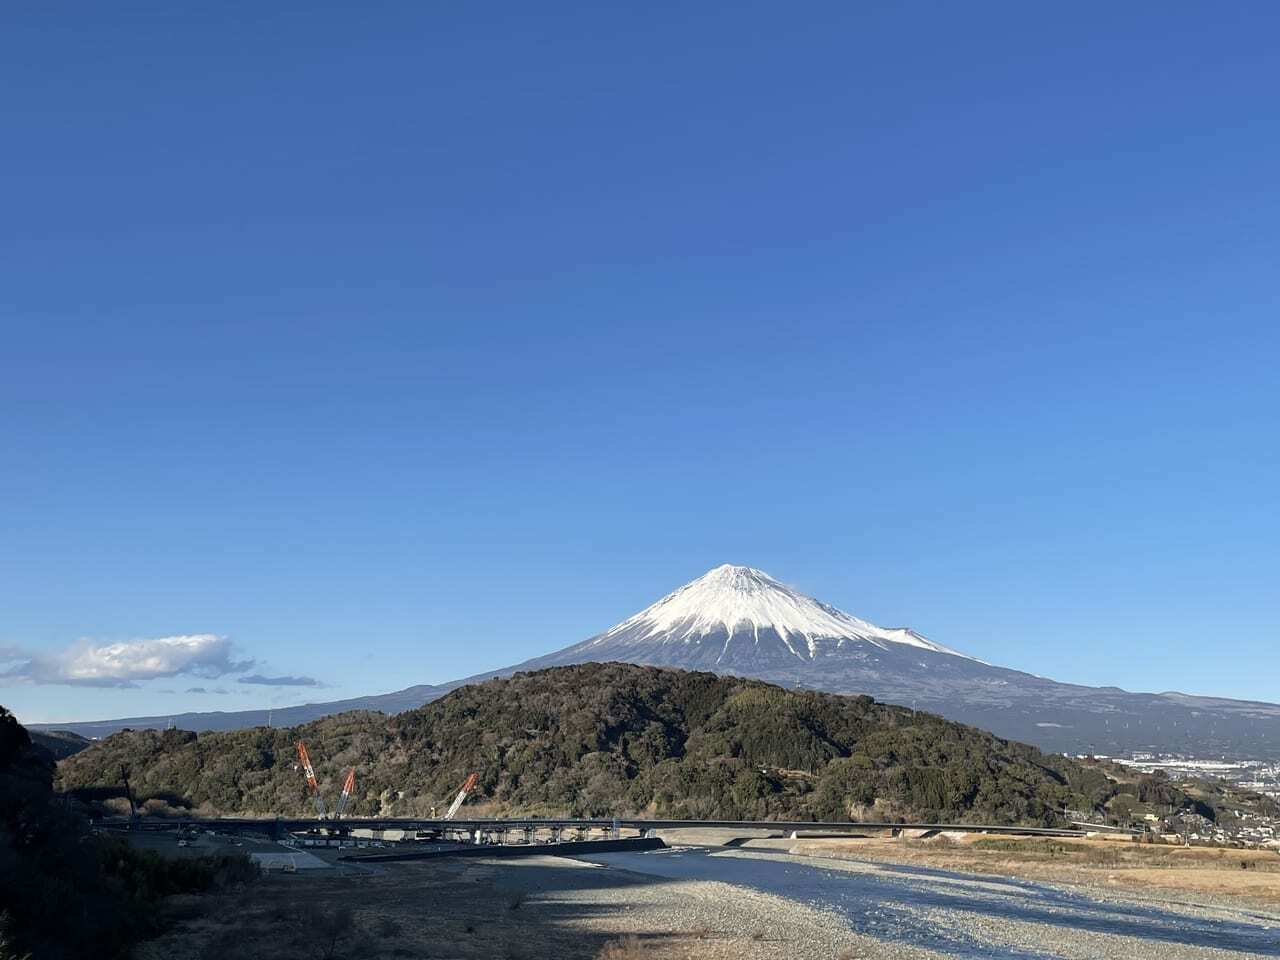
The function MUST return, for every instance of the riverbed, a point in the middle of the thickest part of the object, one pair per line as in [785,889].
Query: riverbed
[972,916]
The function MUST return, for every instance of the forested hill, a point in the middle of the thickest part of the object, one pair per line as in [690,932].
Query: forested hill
[599,739]
[59,743]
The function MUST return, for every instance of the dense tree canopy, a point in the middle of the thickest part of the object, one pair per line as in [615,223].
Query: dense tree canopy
[600,739]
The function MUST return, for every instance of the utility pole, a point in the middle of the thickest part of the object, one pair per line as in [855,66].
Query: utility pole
[128,792]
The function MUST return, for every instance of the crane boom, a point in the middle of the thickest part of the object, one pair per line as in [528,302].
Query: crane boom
[467,787]
[311,778]
[348,786]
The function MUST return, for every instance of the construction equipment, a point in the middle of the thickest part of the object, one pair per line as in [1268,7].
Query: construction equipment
[467,787]
[348,786]
[311,778]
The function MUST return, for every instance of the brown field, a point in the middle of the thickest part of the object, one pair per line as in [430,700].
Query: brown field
[1252,875]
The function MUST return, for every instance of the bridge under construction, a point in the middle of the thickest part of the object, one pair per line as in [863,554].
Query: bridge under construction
[525,829]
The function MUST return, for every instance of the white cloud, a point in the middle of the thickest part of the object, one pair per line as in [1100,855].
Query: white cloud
[125,663]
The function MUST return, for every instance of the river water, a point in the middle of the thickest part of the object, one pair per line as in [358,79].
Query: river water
[948,912]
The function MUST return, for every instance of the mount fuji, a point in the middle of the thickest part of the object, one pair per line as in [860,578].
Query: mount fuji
[739,620]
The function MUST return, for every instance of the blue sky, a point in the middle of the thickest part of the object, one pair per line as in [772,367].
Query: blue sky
[388,344]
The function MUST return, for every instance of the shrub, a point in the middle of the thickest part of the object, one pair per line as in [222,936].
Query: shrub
[71,894]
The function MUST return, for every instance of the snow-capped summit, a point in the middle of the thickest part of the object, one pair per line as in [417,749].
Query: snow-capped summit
[736,619]
[732,602]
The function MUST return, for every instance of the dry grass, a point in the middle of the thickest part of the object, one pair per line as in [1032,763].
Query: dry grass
[310,917]
[693,946]
[462,910]
[1251,874]
[628,948]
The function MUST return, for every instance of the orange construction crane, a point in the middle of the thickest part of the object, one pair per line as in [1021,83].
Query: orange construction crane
[311,778]
[348,786]
[467,787]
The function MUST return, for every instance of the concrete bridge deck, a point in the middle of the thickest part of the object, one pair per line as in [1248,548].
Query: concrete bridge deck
[493,825]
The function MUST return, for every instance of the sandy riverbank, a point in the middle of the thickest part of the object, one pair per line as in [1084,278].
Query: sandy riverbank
[539,907]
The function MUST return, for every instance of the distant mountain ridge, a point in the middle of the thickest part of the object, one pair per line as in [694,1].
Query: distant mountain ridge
[740,621]
[396,702]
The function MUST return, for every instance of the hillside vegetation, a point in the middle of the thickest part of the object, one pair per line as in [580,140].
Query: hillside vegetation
[66,892]
[603,739]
